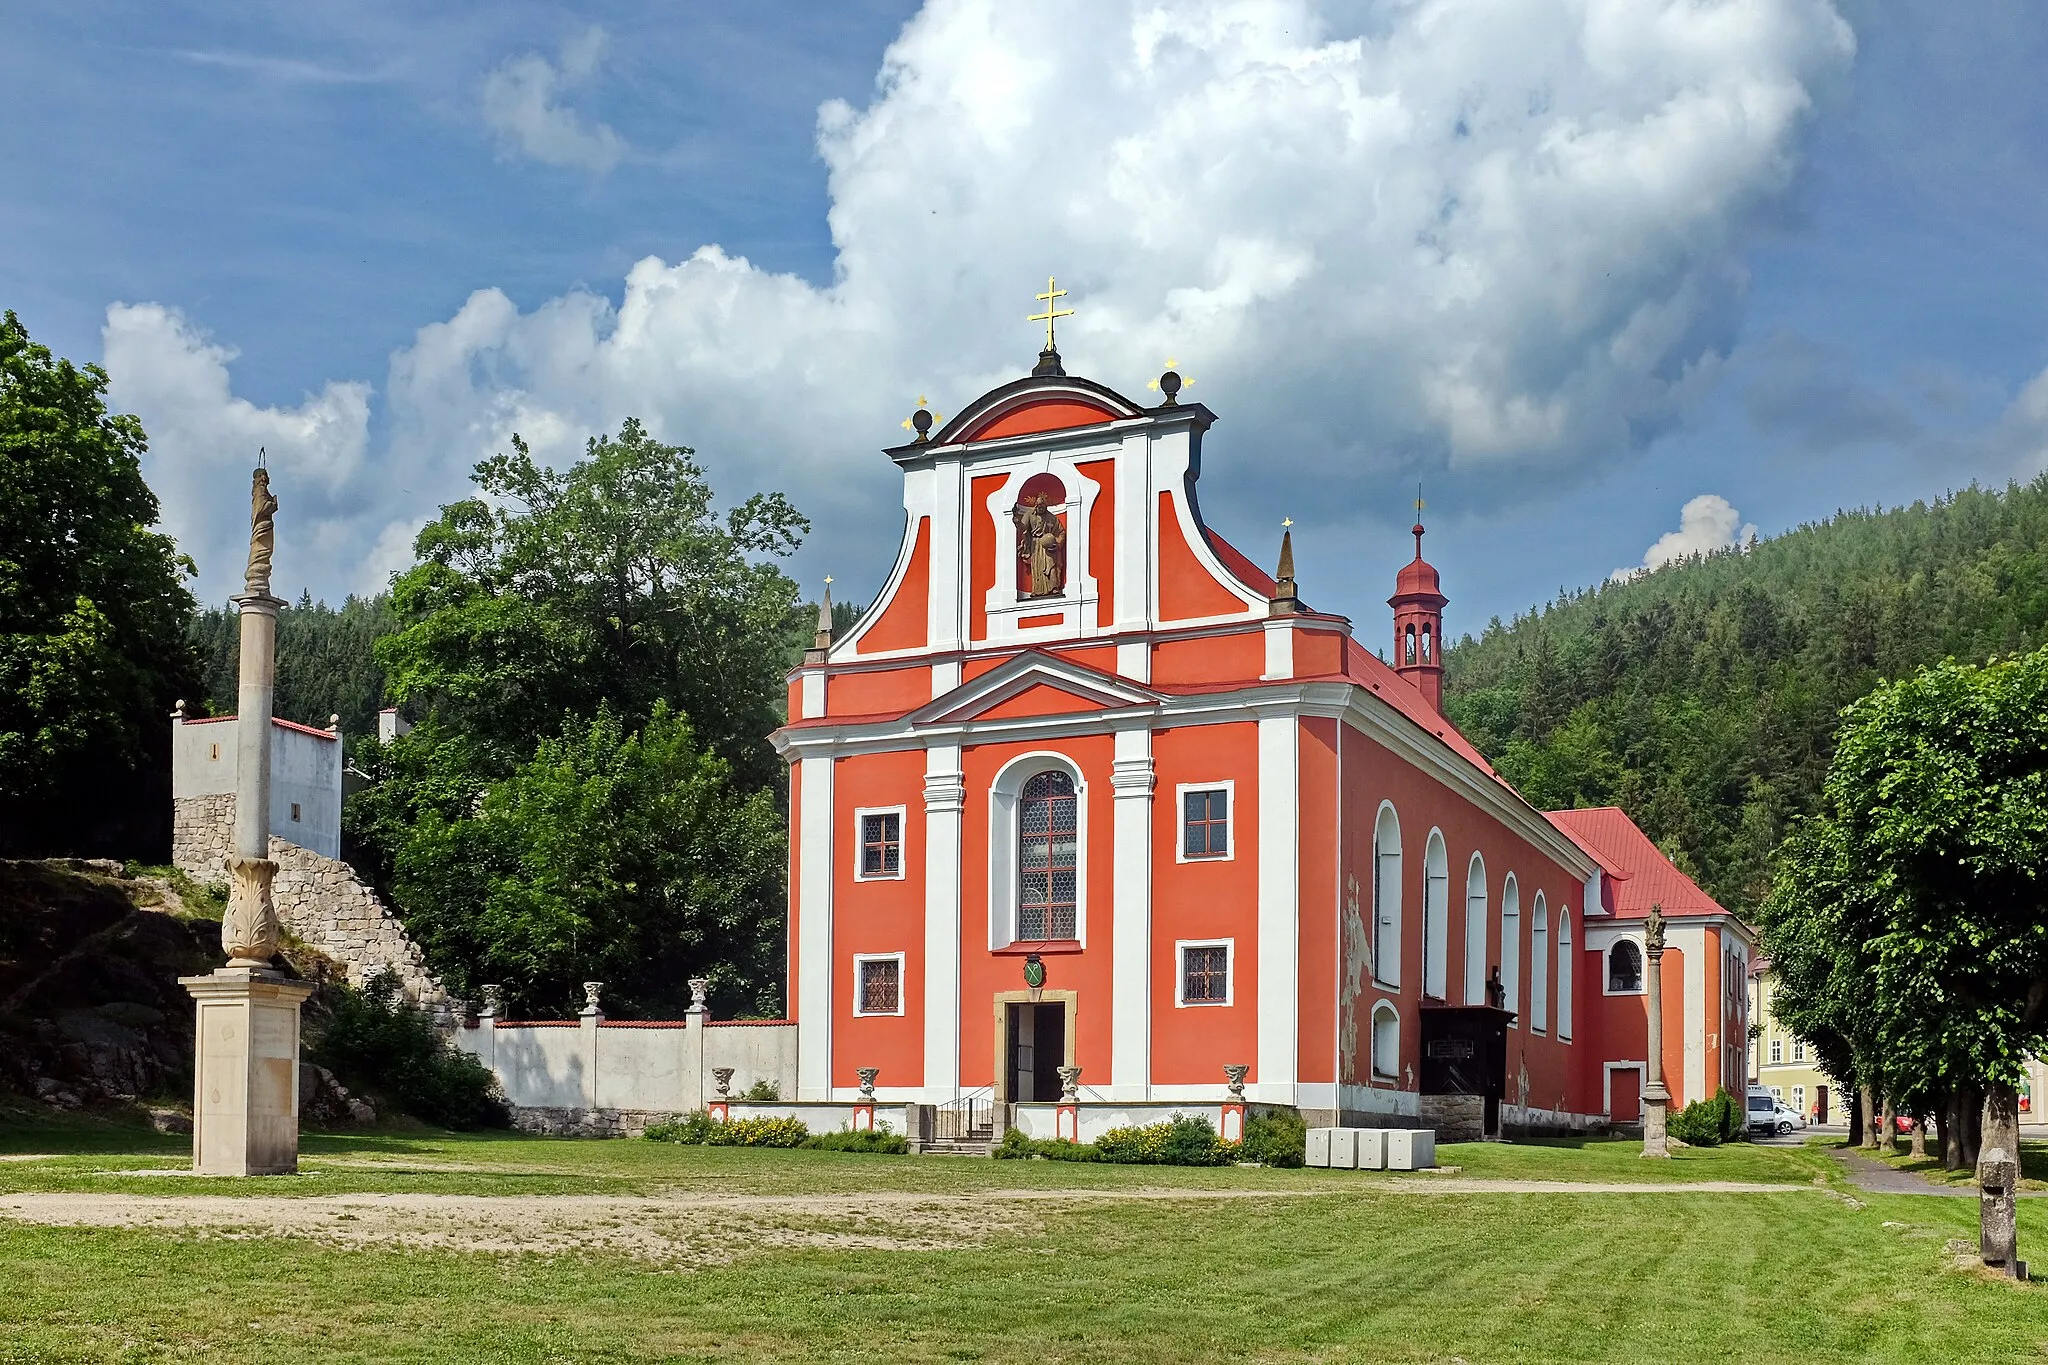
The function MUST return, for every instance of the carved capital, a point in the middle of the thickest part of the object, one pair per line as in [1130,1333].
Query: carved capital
[249,931]
[1132,777]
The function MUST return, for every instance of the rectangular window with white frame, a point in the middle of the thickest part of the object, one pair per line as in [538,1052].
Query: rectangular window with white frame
[1777,1051]
[1204,971]
[878,983]
[1205,821]
[878,835]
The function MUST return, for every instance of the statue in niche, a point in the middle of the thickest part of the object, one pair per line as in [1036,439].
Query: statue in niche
[262,532]
[1041,545]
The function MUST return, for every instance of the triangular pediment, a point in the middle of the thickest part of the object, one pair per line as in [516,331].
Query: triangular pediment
[1034,684]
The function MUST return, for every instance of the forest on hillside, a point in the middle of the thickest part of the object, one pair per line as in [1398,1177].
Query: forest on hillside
[326,661]
[1703,698]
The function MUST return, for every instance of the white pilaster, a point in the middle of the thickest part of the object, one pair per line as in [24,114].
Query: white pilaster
[944,500]
[945,800]
[1691,941]
[811,692]
[814,930]
[1135,499]
[1279,648]
[1131,781]
[1279,1001]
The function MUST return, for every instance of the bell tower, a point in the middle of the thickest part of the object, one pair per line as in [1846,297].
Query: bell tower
[1418,606]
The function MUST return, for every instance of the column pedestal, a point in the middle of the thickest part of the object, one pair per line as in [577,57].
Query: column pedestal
[245,1097]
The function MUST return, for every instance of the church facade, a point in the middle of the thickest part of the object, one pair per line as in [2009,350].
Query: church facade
[1087,787]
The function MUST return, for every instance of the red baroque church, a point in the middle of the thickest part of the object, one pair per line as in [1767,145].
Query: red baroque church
[1087,787]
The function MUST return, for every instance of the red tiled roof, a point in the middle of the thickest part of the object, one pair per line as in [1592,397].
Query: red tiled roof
[1642,875]
[274,720]
[1235,560]
[1366,668]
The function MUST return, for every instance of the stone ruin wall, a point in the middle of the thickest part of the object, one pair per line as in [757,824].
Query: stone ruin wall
[320,900]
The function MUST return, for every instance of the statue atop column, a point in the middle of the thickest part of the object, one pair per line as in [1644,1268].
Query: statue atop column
[262,533]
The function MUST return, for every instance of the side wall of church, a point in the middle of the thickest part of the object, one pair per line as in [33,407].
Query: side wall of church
[1543,1071]
[319,900]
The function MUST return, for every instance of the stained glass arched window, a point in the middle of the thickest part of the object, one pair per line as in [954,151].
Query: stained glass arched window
[1047,857]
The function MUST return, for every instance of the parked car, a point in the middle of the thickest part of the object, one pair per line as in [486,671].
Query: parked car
[1788,1119]
[1763,1112]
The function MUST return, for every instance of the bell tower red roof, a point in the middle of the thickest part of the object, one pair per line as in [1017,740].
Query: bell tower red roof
[1418,604]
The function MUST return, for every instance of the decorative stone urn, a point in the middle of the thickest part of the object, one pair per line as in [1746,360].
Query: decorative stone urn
[721,1080]
[1070,1085]
[867,1076]
[699,988]
[1235,1075]
[590,993]
[494,999]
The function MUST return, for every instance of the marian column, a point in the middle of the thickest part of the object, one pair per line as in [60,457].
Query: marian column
[1656,1099]
[245,1102]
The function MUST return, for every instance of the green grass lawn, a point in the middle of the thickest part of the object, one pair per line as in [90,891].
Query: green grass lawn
[1295,1266]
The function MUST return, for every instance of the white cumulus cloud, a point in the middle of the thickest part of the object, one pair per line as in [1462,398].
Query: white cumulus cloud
[521,105]
[1705,524]
[203,441]
[1492,234]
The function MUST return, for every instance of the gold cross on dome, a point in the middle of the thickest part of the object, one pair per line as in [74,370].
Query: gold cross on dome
[1286,522]
[1053,293]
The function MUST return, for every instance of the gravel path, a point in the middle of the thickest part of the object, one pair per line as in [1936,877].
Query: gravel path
[697,1228]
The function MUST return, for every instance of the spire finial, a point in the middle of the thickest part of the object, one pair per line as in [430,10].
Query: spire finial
[1286,598]
[1418,519]
[822,641]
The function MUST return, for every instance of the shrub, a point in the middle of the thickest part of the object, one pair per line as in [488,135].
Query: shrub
[693,1129]
[1279,1138]
[882,1143]
[761,1132]
[1709,1123]
[762,1092]
[1017,1147]
[1183,1140]
[376,1040]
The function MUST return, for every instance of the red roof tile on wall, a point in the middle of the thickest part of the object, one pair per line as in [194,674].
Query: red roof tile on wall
[1643,875]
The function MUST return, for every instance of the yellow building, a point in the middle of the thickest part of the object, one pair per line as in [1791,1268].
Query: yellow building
[1782,1063]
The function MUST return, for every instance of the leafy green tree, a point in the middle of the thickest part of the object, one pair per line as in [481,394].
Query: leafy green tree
[1928,868]
[611,855]
[93,607]
[594,661]
[611,582]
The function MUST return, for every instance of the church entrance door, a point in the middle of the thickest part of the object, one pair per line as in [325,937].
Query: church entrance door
[1625,1094]
[1035,1047]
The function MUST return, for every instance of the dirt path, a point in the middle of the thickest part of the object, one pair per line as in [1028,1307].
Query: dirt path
[688,1229]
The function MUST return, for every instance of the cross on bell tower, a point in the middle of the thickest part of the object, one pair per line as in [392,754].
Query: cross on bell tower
[1418,604]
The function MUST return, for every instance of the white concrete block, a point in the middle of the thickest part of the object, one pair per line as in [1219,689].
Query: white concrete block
[1372,1149]
[1319,1147]
[1343,1149]
[1411,1149]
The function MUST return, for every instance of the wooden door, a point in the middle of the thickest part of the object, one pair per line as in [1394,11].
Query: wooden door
[1625,1094]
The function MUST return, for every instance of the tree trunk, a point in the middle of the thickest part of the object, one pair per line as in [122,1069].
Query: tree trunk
[1951,1132]
[1998,1178]
[1973,1124]
[1869,1138]
[1852,1113]
[1886,1128]
[1919,1149]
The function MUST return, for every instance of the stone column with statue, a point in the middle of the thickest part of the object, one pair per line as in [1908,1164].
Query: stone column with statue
[1656,1099]
[245,1101]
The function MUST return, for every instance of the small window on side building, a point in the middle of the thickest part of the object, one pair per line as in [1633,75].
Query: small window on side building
[881,985]
[1205,823]
[295,810]
[1205,974]
[881,844]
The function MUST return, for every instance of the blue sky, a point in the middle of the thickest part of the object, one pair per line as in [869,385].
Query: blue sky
[1573,263]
